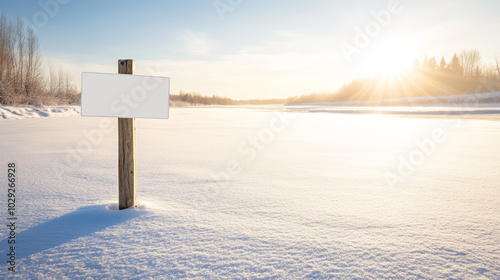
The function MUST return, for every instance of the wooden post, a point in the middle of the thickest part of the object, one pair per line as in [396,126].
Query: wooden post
[126,150]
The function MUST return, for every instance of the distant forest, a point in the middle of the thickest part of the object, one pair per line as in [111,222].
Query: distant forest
[188,99]
[23,81]
[464,73]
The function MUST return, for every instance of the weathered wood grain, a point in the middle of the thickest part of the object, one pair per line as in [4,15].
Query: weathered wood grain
[127,156]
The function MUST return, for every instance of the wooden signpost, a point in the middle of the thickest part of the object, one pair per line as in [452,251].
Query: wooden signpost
[127,155]
[126,97]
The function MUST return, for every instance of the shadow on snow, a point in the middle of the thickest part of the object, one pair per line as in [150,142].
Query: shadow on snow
[79,223]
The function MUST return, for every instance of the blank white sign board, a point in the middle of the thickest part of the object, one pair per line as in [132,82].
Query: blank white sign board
[125,96]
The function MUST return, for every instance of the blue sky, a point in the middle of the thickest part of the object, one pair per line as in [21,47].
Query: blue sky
[256,49]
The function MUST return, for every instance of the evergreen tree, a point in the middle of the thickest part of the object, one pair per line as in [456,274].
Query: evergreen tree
[416,64]
[442,65]
[454,67]
[432,64]
[425,63]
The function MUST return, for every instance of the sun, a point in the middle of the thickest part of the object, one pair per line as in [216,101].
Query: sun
[385,57]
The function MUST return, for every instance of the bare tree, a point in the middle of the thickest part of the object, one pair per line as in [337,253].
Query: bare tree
[33,79]
[497,65]
[8,59]
[67,82]
[3,45]
[470,61]
[10,45]
[20,38]
[3,56]
[21,77]
[60,81]
[52,79]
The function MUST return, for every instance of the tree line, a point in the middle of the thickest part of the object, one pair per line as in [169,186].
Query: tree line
[195,98]
[22,79]
[464,73]
[184,98]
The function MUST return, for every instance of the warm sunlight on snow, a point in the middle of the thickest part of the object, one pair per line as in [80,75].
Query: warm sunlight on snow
[262,193]
[386,57]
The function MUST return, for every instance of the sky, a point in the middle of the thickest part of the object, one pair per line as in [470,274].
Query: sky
[246,49]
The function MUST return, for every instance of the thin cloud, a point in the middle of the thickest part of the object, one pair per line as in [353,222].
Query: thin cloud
[194,43]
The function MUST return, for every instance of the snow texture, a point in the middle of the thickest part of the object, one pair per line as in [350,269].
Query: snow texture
[238,193]
[36,111]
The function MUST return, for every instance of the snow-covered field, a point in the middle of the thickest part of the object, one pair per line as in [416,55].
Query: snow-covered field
[255,193]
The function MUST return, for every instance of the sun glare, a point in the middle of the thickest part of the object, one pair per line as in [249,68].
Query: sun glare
[386,57]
